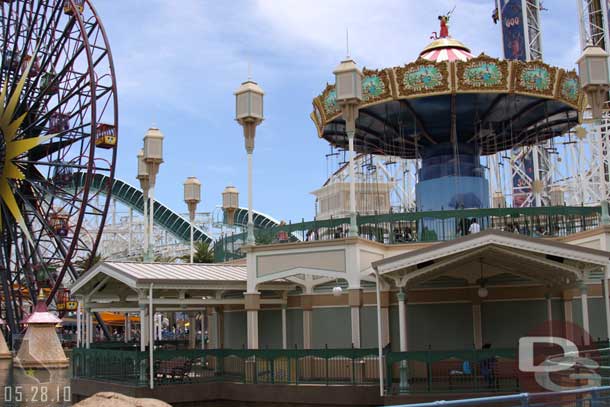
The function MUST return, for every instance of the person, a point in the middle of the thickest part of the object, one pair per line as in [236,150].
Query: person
[488,367]
[409,234]
[282,235]
[474,227]
[516,229]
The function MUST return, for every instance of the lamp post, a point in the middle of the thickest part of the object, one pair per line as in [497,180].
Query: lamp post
[348,88]
[594,80]
[230,203]
[153,157]
[249,114]
[145,185]
[192,197]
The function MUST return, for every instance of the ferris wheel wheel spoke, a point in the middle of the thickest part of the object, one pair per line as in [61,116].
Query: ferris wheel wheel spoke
[65,64]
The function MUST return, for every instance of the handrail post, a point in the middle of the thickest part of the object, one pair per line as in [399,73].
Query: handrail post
[525,400]
[595,400]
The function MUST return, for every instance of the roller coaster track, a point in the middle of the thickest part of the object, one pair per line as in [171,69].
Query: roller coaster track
[165,217]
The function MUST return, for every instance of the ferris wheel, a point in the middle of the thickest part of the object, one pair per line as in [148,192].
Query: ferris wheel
[58,129]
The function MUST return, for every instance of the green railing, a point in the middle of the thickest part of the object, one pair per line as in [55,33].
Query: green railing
[398,228]
[415,372]
[452,371]
[129,367]
[326,366]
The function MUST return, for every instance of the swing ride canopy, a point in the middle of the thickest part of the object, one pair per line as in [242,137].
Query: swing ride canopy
[448,97]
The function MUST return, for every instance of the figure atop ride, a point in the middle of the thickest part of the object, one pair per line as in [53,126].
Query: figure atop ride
[444,21]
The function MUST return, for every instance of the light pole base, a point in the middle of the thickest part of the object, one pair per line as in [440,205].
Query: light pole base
[250,236]
[605,216]
[353,226]
[404,376]
[149,256]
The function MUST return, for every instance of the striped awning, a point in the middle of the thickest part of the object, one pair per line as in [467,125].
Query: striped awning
[447,54]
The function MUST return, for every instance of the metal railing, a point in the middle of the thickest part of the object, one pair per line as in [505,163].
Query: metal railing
[587,397]
[324,366]
[493,370]
[409,227]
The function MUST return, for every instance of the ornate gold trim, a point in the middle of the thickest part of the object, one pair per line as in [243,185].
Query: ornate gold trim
[448,77]
[435,74]
[529,83]
[468,81]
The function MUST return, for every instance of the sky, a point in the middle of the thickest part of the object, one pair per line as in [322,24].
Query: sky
[179,62]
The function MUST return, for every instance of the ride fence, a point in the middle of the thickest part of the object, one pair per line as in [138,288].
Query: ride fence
[452,371]
[324,366]
[411,227]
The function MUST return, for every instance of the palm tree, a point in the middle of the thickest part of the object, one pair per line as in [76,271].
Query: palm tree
[85,264]
[203,253]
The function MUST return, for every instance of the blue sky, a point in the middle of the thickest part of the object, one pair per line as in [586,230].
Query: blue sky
[179,62]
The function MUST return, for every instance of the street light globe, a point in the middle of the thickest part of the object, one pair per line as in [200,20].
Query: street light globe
[593,72]
[348,83]
[192,190]
[153,146]
[337,291]
[483,292]
[142,168]
[249,103]
[230,203]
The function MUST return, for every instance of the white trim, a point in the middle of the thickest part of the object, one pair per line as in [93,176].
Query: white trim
[300,270]
[491,239]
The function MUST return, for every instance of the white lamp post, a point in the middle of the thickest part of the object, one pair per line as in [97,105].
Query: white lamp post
[145,185]
[594,80]
[192,197]
[230,203]
[153,157]
[348,87]
[249,114]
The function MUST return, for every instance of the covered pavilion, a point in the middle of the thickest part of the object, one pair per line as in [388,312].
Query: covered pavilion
[146,289]
[492,267]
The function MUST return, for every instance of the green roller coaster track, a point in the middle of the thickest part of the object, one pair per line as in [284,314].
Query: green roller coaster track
[165,217]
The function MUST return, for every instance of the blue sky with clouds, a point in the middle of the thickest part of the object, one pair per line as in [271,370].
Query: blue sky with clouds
[179,62]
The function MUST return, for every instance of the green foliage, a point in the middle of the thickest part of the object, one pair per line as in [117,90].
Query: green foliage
[85,264]
[203,253]
[264,236]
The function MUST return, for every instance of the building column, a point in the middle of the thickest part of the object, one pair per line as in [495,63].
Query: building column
[125,327]
[143,328]
[549,313]
[355,303]
[568,317]
[404,344]
[606,306]
[584,298]
[252,305]
[79,328]
[402,320]
[284,332]
[192,330]
[220,327]
[385,318]
[307,305]
[477,330]
[89,328]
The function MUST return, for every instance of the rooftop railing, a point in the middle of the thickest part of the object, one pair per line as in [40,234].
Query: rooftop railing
[410,227]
